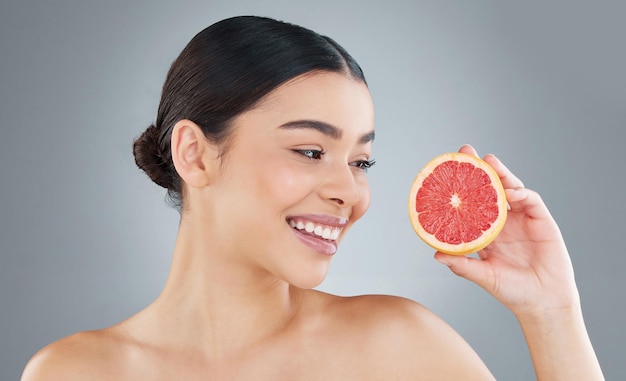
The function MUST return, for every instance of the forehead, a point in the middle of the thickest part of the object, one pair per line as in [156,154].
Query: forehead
[333,98]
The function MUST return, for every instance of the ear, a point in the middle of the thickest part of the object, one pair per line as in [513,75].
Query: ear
[194,157]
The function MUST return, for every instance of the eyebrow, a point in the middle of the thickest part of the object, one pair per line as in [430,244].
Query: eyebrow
[325,128]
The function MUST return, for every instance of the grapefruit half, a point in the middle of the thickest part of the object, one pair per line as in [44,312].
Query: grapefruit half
[457,204]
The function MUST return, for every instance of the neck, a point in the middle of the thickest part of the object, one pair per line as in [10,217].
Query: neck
[227,305]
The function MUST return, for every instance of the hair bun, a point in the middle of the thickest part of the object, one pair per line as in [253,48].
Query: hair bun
[150,158]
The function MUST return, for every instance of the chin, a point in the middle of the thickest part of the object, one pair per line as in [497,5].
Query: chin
[308,279]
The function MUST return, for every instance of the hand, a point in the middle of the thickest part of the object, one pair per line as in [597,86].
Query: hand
[527,267]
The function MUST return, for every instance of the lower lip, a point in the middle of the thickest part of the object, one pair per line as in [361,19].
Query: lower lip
[320,245]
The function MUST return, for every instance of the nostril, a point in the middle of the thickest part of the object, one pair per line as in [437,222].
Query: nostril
[338,201]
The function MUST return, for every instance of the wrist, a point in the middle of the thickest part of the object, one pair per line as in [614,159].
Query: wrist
[559,344]
[550,305]
[543,315]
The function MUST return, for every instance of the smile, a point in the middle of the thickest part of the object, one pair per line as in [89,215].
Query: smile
[327,232]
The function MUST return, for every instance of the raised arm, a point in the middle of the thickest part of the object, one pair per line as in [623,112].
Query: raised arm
[528,269]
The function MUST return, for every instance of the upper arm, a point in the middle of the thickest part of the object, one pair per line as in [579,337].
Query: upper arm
[69,359]
[47,364]
[420,345]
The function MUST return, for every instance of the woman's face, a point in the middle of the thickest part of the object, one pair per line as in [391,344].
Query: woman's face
[294,177]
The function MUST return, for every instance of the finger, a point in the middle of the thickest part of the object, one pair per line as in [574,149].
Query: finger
[468,149]
[527,201]
[472,269]
[508,179]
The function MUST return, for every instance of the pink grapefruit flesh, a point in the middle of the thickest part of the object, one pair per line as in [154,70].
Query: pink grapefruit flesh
[457,204]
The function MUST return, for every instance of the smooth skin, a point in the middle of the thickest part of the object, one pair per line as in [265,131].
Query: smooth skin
[239,304]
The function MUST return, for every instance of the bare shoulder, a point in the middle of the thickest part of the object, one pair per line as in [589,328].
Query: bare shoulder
[403,337]
[81,356]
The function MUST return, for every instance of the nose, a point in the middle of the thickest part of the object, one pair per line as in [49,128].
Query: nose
[340,186]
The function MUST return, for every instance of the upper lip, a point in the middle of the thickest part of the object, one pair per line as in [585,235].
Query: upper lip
[323,219]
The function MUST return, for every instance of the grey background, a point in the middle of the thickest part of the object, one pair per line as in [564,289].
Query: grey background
[85,238]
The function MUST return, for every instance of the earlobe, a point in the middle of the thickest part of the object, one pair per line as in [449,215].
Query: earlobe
[192,154]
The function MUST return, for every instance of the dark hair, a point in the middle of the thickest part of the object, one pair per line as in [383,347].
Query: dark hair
[223,71]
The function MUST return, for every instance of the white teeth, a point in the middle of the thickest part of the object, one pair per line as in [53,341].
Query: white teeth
[309,227]
[325,232]
[318,230]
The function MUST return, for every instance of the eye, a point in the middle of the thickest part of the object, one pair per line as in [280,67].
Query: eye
[312,154]
[364,165]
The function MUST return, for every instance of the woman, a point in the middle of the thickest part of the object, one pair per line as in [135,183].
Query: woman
[263,137]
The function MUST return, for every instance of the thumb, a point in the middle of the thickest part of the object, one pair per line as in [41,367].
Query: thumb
[472,269]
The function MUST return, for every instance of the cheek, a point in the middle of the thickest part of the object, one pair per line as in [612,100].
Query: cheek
[284,185]
[363,204]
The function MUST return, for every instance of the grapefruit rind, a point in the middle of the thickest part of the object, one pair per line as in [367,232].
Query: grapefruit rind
[488,235]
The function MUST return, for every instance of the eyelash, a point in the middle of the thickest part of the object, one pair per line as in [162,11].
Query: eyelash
[364,165]
[313,154]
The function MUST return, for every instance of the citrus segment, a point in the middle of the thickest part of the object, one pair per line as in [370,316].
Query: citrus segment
[457,204]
